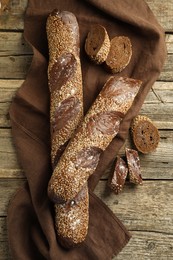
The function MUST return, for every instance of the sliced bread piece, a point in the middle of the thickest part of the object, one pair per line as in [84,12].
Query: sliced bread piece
[145,134]
[134,166]
[117,180]
[97,44]
[120,54]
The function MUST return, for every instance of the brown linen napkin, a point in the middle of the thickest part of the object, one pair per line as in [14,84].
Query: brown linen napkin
[30,216]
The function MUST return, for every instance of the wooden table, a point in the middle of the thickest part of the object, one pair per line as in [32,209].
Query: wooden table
[147,210]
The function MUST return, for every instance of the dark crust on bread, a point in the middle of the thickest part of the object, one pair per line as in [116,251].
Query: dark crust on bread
[116,181]
[66,112]
[133,162]
[67,180]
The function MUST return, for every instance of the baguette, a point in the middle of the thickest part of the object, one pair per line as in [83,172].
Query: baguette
[66,111]
[100,126]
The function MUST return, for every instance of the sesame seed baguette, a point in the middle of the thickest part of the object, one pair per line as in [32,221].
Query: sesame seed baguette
[64,78]
[99,127]
[66,111]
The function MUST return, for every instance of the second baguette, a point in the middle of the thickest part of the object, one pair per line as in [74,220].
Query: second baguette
[100,126]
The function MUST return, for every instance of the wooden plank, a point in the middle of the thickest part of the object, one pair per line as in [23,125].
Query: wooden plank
[161,112]
[147,207]
[12,13]
[143,246]
[166,74]
[158,104]
[169,43]
[8,158]
[156,165]
[13,43]
[8,189]
[16,67]
[161,92]
[133,206]
[3,229]
[163,11]
[148,246]
[8,89]
[158,112]
[4,251]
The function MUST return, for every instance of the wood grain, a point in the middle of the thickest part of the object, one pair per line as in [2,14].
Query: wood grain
[15,44]
[148,246]
[16,67]
[143,246]
[147,207]
[12,13]
[156,165]
[132,206]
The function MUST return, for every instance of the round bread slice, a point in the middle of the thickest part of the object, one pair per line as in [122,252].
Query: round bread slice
[145,134]
[120,54]
[97,44]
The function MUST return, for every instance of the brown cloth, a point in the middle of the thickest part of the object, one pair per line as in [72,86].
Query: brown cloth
[30,217]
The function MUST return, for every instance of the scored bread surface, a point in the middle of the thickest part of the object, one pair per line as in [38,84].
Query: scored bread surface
[66,112]
[99,127]
[97,44]
[120,54]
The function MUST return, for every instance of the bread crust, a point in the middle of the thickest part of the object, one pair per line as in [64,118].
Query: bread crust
[100,126]
[66,112]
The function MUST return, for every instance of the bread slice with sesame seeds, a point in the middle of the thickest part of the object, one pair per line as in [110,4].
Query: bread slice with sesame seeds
[66,111]
[97,44]
[119,55]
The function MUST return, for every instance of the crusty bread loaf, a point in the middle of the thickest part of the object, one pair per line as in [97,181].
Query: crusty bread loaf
[100,126]
[133,162]
[66,111]
[97,44]
[64,77]
[119,55]
[145,134]
[116,180]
